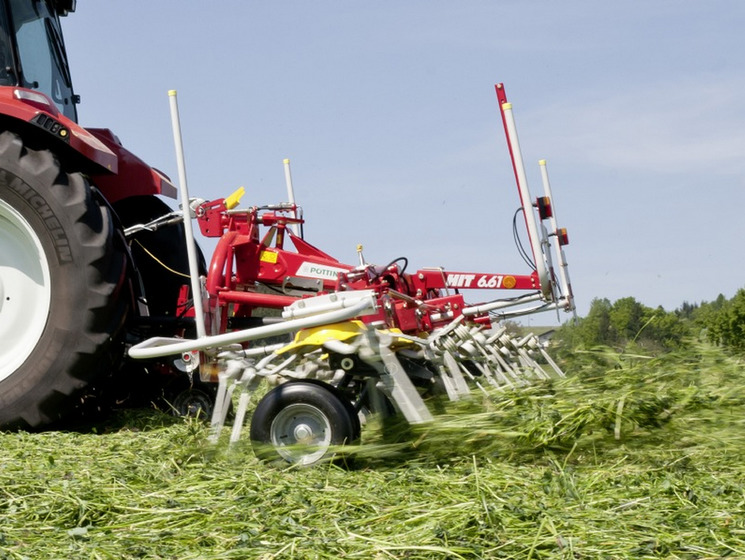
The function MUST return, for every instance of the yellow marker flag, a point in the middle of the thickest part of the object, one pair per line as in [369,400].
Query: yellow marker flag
[233,200]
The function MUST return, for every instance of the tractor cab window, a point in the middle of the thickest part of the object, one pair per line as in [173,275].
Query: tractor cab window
[7,77]
[41,53]
[7,66]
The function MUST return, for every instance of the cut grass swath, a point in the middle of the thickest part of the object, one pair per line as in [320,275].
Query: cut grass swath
[557,470]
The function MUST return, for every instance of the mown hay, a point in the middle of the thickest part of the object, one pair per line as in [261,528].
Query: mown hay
[627,458]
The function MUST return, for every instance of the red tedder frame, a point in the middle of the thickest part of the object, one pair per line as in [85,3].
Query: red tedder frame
[251,269]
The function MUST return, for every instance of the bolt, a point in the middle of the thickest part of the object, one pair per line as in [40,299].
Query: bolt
[303,433]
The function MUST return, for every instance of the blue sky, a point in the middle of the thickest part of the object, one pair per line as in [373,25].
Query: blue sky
[388,113]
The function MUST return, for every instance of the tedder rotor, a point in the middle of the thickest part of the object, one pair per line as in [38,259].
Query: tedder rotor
[365,338]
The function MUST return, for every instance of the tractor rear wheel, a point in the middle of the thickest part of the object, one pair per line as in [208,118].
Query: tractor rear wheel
[64,294]
[299,422]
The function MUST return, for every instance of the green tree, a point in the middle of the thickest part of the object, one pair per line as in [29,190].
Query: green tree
[627,317]
[687,310]
[662,330]
[726,326]
[595,329]
[623,323]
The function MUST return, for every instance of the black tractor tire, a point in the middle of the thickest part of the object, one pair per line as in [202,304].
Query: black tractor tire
[64,292]
[160,256]
[302,423]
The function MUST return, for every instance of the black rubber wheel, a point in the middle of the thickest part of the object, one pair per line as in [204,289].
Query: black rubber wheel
[197,401]
[300,422]
[64,295]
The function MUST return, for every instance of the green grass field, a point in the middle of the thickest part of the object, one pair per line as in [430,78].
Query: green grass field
[627,458]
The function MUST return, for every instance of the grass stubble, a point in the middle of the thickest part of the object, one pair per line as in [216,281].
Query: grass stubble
[629,457]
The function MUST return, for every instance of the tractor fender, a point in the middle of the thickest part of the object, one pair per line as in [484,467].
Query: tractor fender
[116,171]
[133,178]
[35,112]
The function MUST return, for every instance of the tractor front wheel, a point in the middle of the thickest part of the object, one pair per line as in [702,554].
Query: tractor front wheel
[301,422]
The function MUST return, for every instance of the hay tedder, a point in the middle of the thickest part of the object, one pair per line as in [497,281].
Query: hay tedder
[367,338]
[104,295]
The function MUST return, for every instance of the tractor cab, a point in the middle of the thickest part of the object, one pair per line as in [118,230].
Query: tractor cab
[32,51]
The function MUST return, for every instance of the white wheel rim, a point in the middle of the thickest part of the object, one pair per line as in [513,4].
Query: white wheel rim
[25,290]
[301,433]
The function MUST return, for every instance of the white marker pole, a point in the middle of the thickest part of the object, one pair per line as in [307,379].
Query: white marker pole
[566,286]
[291,195]
[191,248]
[527,202]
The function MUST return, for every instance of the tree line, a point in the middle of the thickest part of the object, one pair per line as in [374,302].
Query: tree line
[627,323]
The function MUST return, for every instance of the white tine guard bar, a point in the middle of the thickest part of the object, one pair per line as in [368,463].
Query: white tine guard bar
[322,304]
[191,250]
[556,305]
[527,201]
[158,347]
[500,304]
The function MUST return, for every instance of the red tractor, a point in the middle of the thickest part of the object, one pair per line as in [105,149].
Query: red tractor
[72,288]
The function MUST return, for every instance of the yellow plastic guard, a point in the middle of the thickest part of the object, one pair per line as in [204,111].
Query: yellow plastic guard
[233,200]
[314,337]
[268,257]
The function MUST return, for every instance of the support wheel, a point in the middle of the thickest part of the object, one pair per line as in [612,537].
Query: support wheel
[300,422]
